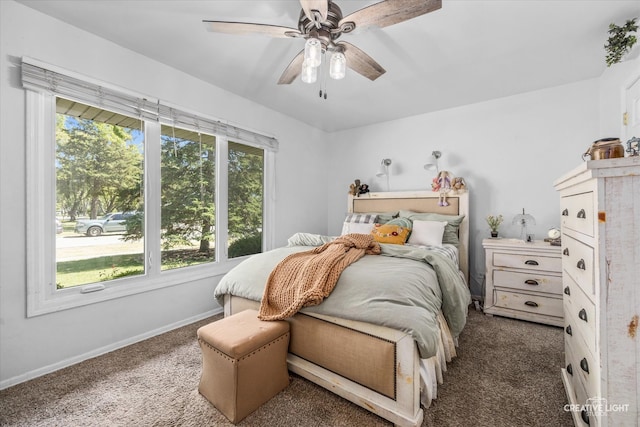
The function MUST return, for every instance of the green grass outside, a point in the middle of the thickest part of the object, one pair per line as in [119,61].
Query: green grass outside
[92,270]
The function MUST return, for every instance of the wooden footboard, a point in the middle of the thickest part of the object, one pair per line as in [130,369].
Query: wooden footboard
[372,366]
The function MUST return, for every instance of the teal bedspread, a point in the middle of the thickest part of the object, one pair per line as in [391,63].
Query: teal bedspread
[404,288]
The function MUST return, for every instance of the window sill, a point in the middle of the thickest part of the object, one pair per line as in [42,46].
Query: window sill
[66,299]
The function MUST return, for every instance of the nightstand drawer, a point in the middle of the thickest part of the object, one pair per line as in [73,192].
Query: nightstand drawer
[530,303]
[528,262]
[577,213]
[577,261]
[529,281]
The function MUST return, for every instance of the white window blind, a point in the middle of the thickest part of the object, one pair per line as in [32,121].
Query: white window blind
[39,77]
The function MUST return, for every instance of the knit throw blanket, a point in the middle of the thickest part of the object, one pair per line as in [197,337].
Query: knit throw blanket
[306,278]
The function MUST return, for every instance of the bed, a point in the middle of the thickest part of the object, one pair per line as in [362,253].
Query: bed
[360,351]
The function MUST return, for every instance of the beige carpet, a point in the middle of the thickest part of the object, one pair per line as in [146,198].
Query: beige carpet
[507,374]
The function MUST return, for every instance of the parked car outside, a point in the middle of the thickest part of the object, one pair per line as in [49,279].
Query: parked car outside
[115,222]
[58,226]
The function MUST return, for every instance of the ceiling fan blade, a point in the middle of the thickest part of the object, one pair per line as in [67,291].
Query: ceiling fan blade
[293,70]
[322,6]
[360,62]
[248,28]
[389,12]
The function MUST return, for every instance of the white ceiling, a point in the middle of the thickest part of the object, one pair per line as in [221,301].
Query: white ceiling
[469,51]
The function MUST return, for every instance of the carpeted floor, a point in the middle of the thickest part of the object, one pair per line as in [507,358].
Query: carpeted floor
[507,374]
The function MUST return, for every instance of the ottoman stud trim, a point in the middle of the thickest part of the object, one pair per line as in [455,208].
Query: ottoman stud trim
[232,359]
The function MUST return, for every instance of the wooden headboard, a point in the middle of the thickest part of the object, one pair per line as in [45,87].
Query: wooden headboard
[420,201]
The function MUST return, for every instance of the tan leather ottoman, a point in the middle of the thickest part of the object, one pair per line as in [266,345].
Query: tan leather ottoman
[244,362]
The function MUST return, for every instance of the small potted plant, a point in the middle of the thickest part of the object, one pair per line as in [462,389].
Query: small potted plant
[620,41]
[494,223]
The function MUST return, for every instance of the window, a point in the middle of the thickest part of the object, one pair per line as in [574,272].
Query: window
[128,195]
[99,180]
[246,196]
[188,197]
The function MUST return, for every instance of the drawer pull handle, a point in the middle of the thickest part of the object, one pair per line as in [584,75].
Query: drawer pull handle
[565,251]
[584,365]
[531,303]
[568,330]
[567,291]
[565,212]
[531,262]
[581,214]
[570,369]
[581,265]
[582,314]
[531,282]
[585,416]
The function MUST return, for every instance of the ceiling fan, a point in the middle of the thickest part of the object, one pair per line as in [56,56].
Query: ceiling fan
[321,24]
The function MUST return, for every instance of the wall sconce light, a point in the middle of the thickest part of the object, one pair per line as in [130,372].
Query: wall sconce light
[432,163]
[384,170]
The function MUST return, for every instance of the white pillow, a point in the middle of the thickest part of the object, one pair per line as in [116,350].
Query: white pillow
[427,233]
[358,222]
[354,227]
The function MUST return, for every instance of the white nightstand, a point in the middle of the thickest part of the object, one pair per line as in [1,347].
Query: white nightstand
[523,280]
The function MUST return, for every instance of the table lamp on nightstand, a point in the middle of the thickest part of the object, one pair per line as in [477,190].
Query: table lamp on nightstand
[524,220]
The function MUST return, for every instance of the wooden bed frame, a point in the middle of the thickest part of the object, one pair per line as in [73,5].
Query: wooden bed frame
[375,367]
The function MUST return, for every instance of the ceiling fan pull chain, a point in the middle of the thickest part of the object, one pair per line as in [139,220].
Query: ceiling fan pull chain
[323,76]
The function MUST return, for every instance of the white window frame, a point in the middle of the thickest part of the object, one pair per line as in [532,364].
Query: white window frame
[42,295]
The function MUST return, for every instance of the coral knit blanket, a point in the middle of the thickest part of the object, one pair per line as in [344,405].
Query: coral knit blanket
[306,278]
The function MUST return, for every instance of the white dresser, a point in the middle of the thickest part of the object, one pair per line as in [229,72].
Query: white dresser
[523,280]
[600,217]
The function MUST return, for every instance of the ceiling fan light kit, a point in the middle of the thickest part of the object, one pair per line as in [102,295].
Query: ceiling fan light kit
[321,23]
[312,52]
[309,73]
[337,66]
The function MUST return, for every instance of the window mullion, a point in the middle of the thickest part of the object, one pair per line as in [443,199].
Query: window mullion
[153,197]
[222,198]
[268,214]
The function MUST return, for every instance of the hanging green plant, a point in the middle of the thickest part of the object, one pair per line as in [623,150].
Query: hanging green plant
[620,41]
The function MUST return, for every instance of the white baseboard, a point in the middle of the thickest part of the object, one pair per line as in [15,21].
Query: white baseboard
[103,350]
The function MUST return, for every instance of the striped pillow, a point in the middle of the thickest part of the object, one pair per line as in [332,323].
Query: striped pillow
[358,223]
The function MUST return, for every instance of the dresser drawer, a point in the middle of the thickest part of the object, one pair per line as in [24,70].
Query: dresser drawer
[528,281]
[580,314]
[577,261]
[575,373]
[529,262]
[586,371]
[529,303]
[577,213]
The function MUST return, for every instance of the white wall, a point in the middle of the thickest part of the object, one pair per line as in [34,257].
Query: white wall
[509,151]
[32,346]
[613,83]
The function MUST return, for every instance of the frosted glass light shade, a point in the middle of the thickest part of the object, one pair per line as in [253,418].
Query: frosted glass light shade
[337,66]
[309,73]
[432,163]
[313,52]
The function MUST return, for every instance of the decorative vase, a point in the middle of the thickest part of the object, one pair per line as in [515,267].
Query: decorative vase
[494,234]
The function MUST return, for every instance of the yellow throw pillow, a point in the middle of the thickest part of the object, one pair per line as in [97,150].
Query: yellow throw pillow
[394,234]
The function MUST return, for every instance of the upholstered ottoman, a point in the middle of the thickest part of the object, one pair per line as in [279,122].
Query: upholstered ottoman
[244,362]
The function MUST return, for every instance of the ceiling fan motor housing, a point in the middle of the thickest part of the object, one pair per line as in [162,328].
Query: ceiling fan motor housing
[326,30]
